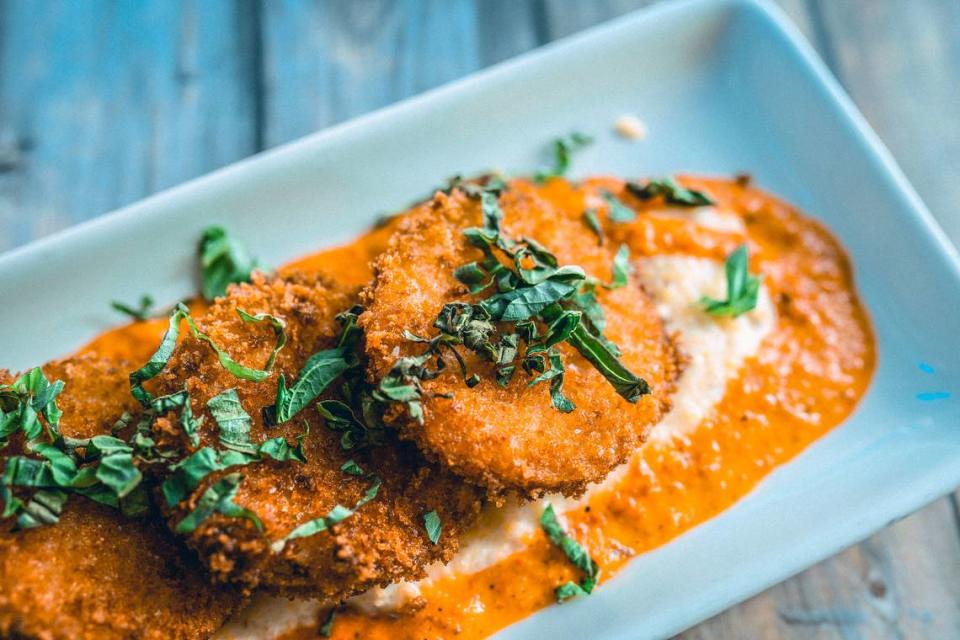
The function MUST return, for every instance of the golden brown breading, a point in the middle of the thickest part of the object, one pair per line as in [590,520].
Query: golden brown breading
[97,574]
[385,540]
[513,438]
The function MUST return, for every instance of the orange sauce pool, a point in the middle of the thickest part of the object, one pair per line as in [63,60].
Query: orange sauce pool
[808,376]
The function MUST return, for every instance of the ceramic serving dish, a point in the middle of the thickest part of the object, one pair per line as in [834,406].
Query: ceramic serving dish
[723,86]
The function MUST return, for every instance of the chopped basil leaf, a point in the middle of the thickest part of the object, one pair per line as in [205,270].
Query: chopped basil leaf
[672,193]
[338,513]
[473,276]
[136,503]
[231,365]
[110,476]
[116,470]
[431,522]
[191,426]
[562,149]
[742,288]
[574,552]
[531,288]
[561,328]
[616,210]
[234,423]
[593,222]
[59,470]
[600,355]
[327,627]
[218,498]
[621,268]
[354,433]
[351,468]
[317,374]
[279,330]
[524,303]
[505,374]
[44,507]
[223,261]
[555,375]
[23,401]
[159,359]
[570,590]
[490,207]
[140,312]
[188,474]
[281,451]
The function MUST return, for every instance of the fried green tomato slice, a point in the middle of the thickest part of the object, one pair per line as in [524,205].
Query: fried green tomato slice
[97,573]
[513,438]
[383,541]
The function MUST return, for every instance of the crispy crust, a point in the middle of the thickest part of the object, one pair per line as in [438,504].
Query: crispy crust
[385,540]
[98,574]
[513,439]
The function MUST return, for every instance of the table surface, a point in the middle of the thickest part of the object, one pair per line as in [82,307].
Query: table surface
[105,102]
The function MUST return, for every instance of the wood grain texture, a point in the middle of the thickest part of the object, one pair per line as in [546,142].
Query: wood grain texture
[106,101]
[103,103]
[325,62]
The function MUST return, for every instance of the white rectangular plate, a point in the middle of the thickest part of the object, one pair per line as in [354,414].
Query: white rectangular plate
[724,86]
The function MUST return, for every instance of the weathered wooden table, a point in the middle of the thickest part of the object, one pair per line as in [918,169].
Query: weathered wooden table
[107,101]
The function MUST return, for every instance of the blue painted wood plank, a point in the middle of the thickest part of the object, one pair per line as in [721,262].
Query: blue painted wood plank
[565,17]
[508,28]
[102,103]
[327,62]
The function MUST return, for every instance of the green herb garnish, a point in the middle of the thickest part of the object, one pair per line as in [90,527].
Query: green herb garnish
[529,288]
[338,513]
[621,268]
[431,522]
[106,468]
[231,365]
[44,507]
[569,590]
[351,468]
[616,210]
[233,421]
[102,468]
[158,361]
[354,432]
[671,192]
[140,312]
[26,399]
[116,470]
[326,629]
[555,375]
[742,288]
[218,498]
[593,222]
[279,330]
[187,474]
[319,372]
[574,552]
[223,261]
[562,149]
